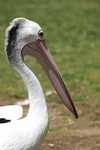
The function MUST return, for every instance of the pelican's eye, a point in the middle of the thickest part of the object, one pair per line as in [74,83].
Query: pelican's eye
[40,33]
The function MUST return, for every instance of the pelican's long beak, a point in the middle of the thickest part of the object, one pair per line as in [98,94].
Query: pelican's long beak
[39,50]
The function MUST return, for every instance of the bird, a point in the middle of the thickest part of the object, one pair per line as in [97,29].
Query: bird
[25,37]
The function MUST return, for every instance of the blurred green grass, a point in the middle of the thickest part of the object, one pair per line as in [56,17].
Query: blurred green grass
[72,34]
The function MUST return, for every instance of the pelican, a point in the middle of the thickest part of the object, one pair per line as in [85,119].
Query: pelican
[25,37]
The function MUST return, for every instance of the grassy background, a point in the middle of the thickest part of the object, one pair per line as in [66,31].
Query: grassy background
[72,34]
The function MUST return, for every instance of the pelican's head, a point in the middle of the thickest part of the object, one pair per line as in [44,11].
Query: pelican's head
[25,37]
[21,32]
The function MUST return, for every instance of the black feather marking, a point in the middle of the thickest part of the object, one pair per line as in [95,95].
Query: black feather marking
[12,34]
[3,120]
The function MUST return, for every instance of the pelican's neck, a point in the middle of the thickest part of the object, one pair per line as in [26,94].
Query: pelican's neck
[35,92]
